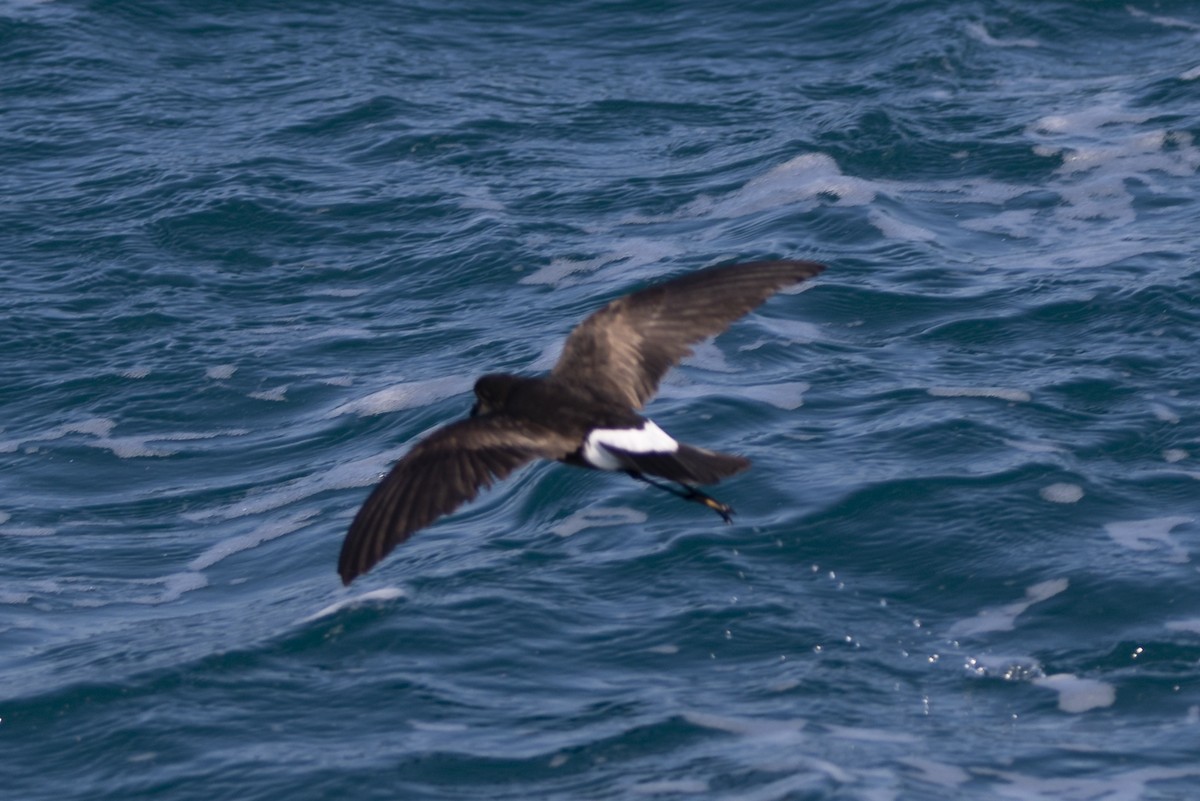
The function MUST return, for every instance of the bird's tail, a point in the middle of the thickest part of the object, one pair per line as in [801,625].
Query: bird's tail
[687,464]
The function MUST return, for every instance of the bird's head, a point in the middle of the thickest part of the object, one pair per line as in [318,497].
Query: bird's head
[491,392]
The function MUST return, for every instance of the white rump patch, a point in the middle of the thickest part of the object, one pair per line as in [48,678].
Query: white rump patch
[647,439]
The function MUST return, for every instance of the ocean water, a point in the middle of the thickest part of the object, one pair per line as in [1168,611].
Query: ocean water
[252,251]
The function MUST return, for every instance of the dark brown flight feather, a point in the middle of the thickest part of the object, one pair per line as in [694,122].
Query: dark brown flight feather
[440,473]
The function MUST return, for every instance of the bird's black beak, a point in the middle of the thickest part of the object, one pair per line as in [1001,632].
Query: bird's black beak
[475,410]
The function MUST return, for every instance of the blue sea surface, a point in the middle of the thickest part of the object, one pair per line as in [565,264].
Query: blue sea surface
[251,252]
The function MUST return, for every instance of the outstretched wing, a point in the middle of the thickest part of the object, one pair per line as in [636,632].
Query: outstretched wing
[439,474]
[623,350]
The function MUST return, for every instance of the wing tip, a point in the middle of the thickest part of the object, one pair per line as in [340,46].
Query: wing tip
[349,567]
[767,274]
[799,269]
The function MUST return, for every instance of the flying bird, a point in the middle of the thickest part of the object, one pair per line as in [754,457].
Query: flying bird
[583,413]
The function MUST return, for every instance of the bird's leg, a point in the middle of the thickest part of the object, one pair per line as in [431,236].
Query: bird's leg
[689,493]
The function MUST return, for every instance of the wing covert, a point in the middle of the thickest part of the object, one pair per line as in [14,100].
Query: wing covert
[624,349]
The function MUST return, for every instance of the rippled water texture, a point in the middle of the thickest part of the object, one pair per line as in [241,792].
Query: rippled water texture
[252,251]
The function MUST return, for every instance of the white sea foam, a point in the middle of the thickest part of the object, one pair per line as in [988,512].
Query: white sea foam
[789,331]
[559,271]
[1167,22]
[1003,618]
[671,787]
[892,228]
[1102,149]
[1103,144]
[709,356]
[1113,785]
[437,725]
[275,394]
[479,197]
[595,518]
[869,735]
[788,395]
[381,595]
[173,585]
[1061,493]
[125,447]
[1164,413]
[338,292]
[359,473]
[1002,393]
[1033,447]
[1147,535]
[1189,473]
[1191,625]
[406,395]
[800,181]
[980,33]
[1076,694]
[1173,455]
[220,372]
[936,773]
[26,531]
[96,426]
[267,531]
[630,253]
[779,731]
[130,446]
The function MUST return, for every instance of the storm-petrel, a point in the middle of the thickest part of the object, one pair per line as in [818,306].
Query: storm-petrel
[583,413]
